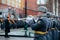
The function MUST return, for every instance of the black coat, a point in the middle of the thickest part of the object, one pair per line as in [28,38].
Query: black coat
[7,28]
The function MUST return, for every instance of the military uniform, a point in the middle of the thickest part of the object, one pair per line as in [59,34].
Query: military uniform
[54,30]
[41,29]
[58,28]
[42,26]
[49,36]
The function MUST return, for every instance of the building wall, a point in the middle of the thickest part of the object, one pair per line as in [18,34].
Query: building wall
[6,6]
[32,4]
[59,7]
[0,1]
[32,12]
[50,5]
[3,6]
[32,7]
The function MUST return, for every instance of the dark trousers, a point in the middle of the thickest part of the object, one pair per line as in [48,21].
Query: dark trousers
[6,33]
[49,35]
[59,34]
[40,37]
[55,34]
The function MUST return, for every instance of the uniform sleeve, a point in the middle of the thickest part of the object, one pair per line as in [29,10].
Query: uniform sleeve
[58,25]
[36,26]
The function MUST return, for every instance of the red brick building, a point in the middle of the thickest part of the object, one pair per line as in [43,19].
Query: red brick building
[56,7]
[31,6]
[13,4]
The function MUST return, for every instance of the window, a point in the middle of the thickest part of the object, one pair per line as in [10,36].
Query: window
[13,3]
[41,2]
[8,2]
[17,5]
[4,1]
[19,1]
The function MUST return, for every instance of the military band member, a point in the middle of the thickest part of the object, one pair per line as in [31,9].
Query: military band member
[41,26]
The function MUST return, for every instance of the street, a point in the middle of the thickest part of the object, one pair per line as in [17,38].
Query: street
[15,38]
[19,32]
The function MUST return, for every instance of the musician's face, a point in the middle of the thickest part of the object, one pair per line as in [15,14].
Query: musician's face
[40,13]
[59,19]
[8,18]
